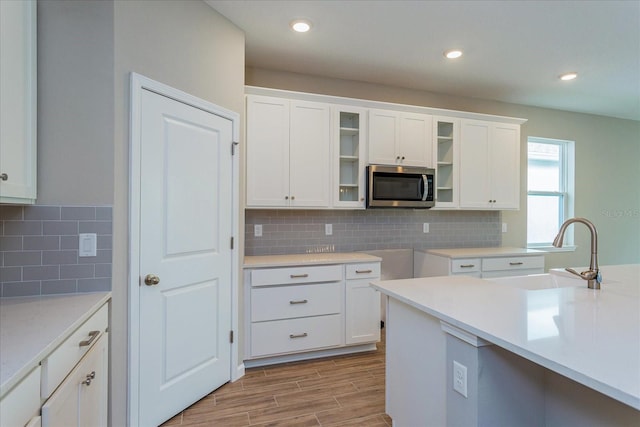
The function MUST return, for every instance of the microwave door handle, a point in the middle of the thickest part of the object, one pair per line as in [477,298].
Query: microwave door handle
[425,188]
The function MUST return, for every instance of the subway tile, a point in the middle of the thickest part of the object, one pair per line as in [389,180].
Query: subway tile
[98,227]
[10,243]
[59,257]
[80,271]
[85,213]
[42,213]
[103,270]
[45,272]
[41,243]
[69,242]
[105,242]
[94,285]
[104,213]
[20,289]
[21,228]
[60,228]
[10,274]
[22,258]
[102,256]
[11,213]
[52,287]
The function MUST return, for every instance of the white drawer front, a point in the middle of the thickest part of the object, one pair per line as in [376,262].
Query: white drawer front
[513,263]
[60,362]
[286,302]
[466,265]
[369,270]
[293,335]
[292,275]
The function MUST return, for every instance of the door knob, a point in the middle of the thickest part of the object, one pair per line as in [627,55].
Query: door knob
[151,280]
[4,177]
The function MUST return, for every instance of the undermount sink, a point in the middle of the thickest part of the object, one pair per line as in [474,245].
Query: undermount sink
[555,279]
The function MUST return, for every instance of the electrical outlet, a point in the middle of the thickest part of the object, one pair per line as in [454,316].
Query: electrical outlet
[328,229]
[460,378]
[257,230]
[425,227]
[504,227]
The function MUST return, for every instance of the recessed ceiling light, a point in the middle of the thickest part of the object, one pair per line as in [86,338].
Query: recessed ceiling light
[301,25]
[453,54]
[568,76]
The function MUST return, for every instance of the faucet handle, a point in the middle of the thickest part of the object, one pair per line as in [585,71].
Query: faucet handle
[586,275]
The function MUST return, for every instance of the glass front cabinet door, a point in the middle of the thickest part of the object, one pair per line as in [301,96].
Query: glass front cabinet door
[350,153]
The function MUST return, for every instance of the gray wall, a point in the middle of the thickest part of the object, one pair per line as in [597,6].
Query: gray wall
[607,158]
[184,44]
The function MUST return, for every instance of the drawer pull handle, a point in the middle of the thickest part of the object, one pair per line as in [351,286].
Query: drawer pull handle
[302,301]
[299,276]
[363,271]
[92,337]
[467,265]
[89,377]
[298,335]
[515,263]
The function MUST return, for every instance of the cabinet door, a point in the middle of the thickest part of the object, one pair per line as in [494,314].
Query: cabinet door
[310,154]
[349,150]
[383,136]
[267,151]
[18,102]
[504,159]
[81,399]
[474,165]
[446,155]
[415,143]
[362,312]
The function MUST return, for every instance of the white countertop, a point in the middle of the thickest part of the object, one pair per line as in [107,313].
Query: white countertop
[307,259]
[482,252]
[590,336]
[31,327]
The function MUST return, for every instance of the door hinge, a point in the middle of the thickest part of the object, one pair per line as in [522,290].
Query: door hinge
[233,148]
[232,243]
[231,336]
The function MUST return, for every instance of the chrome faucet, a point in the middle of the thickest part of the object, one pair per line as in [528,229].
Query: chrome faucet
[592,275]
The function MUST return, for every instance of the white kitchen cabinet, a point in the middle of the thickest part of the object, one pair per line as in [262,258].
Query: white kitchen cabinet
[478,262]
[18,79]
[446,152]
[298,311]
[362,304]
[400,138]
[21,405]
[288,153]
[81,399]
[350,143]
[489,165]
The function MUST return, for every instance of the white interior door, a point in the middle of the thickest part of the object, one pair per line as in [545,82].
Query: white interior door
[185,241]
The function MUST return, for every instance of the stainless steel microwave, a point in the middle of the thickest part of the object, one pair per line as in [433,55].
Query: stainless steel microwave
[399,187]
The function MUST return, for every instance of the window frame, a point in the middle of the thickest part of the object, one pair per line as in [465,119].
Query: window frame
[566,193]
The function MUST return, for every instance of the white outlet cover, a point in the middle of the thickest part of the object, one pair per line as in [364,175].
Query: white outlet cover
[504,227]
[425,227]
[87,244]
[328,229]
[257,230]
[460,378]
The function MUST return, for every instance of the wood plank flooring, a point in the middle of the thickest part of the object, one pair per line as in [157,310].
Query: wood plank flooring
[339,391]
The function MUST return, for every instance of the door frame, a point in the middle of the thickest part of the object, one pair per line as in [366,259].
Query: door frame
[138,83]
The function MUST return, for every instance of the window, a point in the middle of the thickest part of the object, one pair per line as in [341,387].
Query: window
[550,180]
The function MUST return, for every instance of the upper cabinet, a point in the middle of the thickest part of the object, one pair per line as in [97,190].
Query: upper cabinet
[288,153]
[400,138]
[350,143]
[18,102]
[489,165]
[446,151]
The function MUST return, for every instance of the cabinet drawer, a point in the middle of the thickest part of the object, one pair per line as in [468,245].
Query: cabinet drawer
[22,402]
[292,275]
[62,360]
[465,265]
[513,263]
[293,335]
[363,271]
[286,302]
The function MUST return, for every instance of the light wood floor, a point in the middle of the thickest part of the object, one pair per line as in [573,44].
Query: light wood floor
[338,391]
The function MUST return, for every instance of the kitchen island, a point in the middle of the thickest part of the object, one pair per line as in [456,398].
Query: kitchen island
[534,350]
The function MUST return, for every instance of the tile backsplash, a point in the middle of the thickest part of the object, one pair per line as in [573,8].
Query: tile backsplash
[39,250]
[303,231]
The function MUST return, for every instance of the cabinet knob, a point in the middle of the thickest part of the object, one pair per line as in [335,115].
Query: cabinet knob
[402,158]
[88,378]
[397,157]
[4,176]
[293,197]
[286,197]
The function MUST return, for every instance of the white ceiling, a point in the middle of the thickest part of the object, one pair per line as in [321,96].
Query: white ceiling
[514,51]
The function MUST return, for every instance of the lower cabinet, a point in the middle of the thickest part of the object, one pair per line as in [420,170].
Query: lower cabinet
[482,266]
[22,404]
[298,309]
